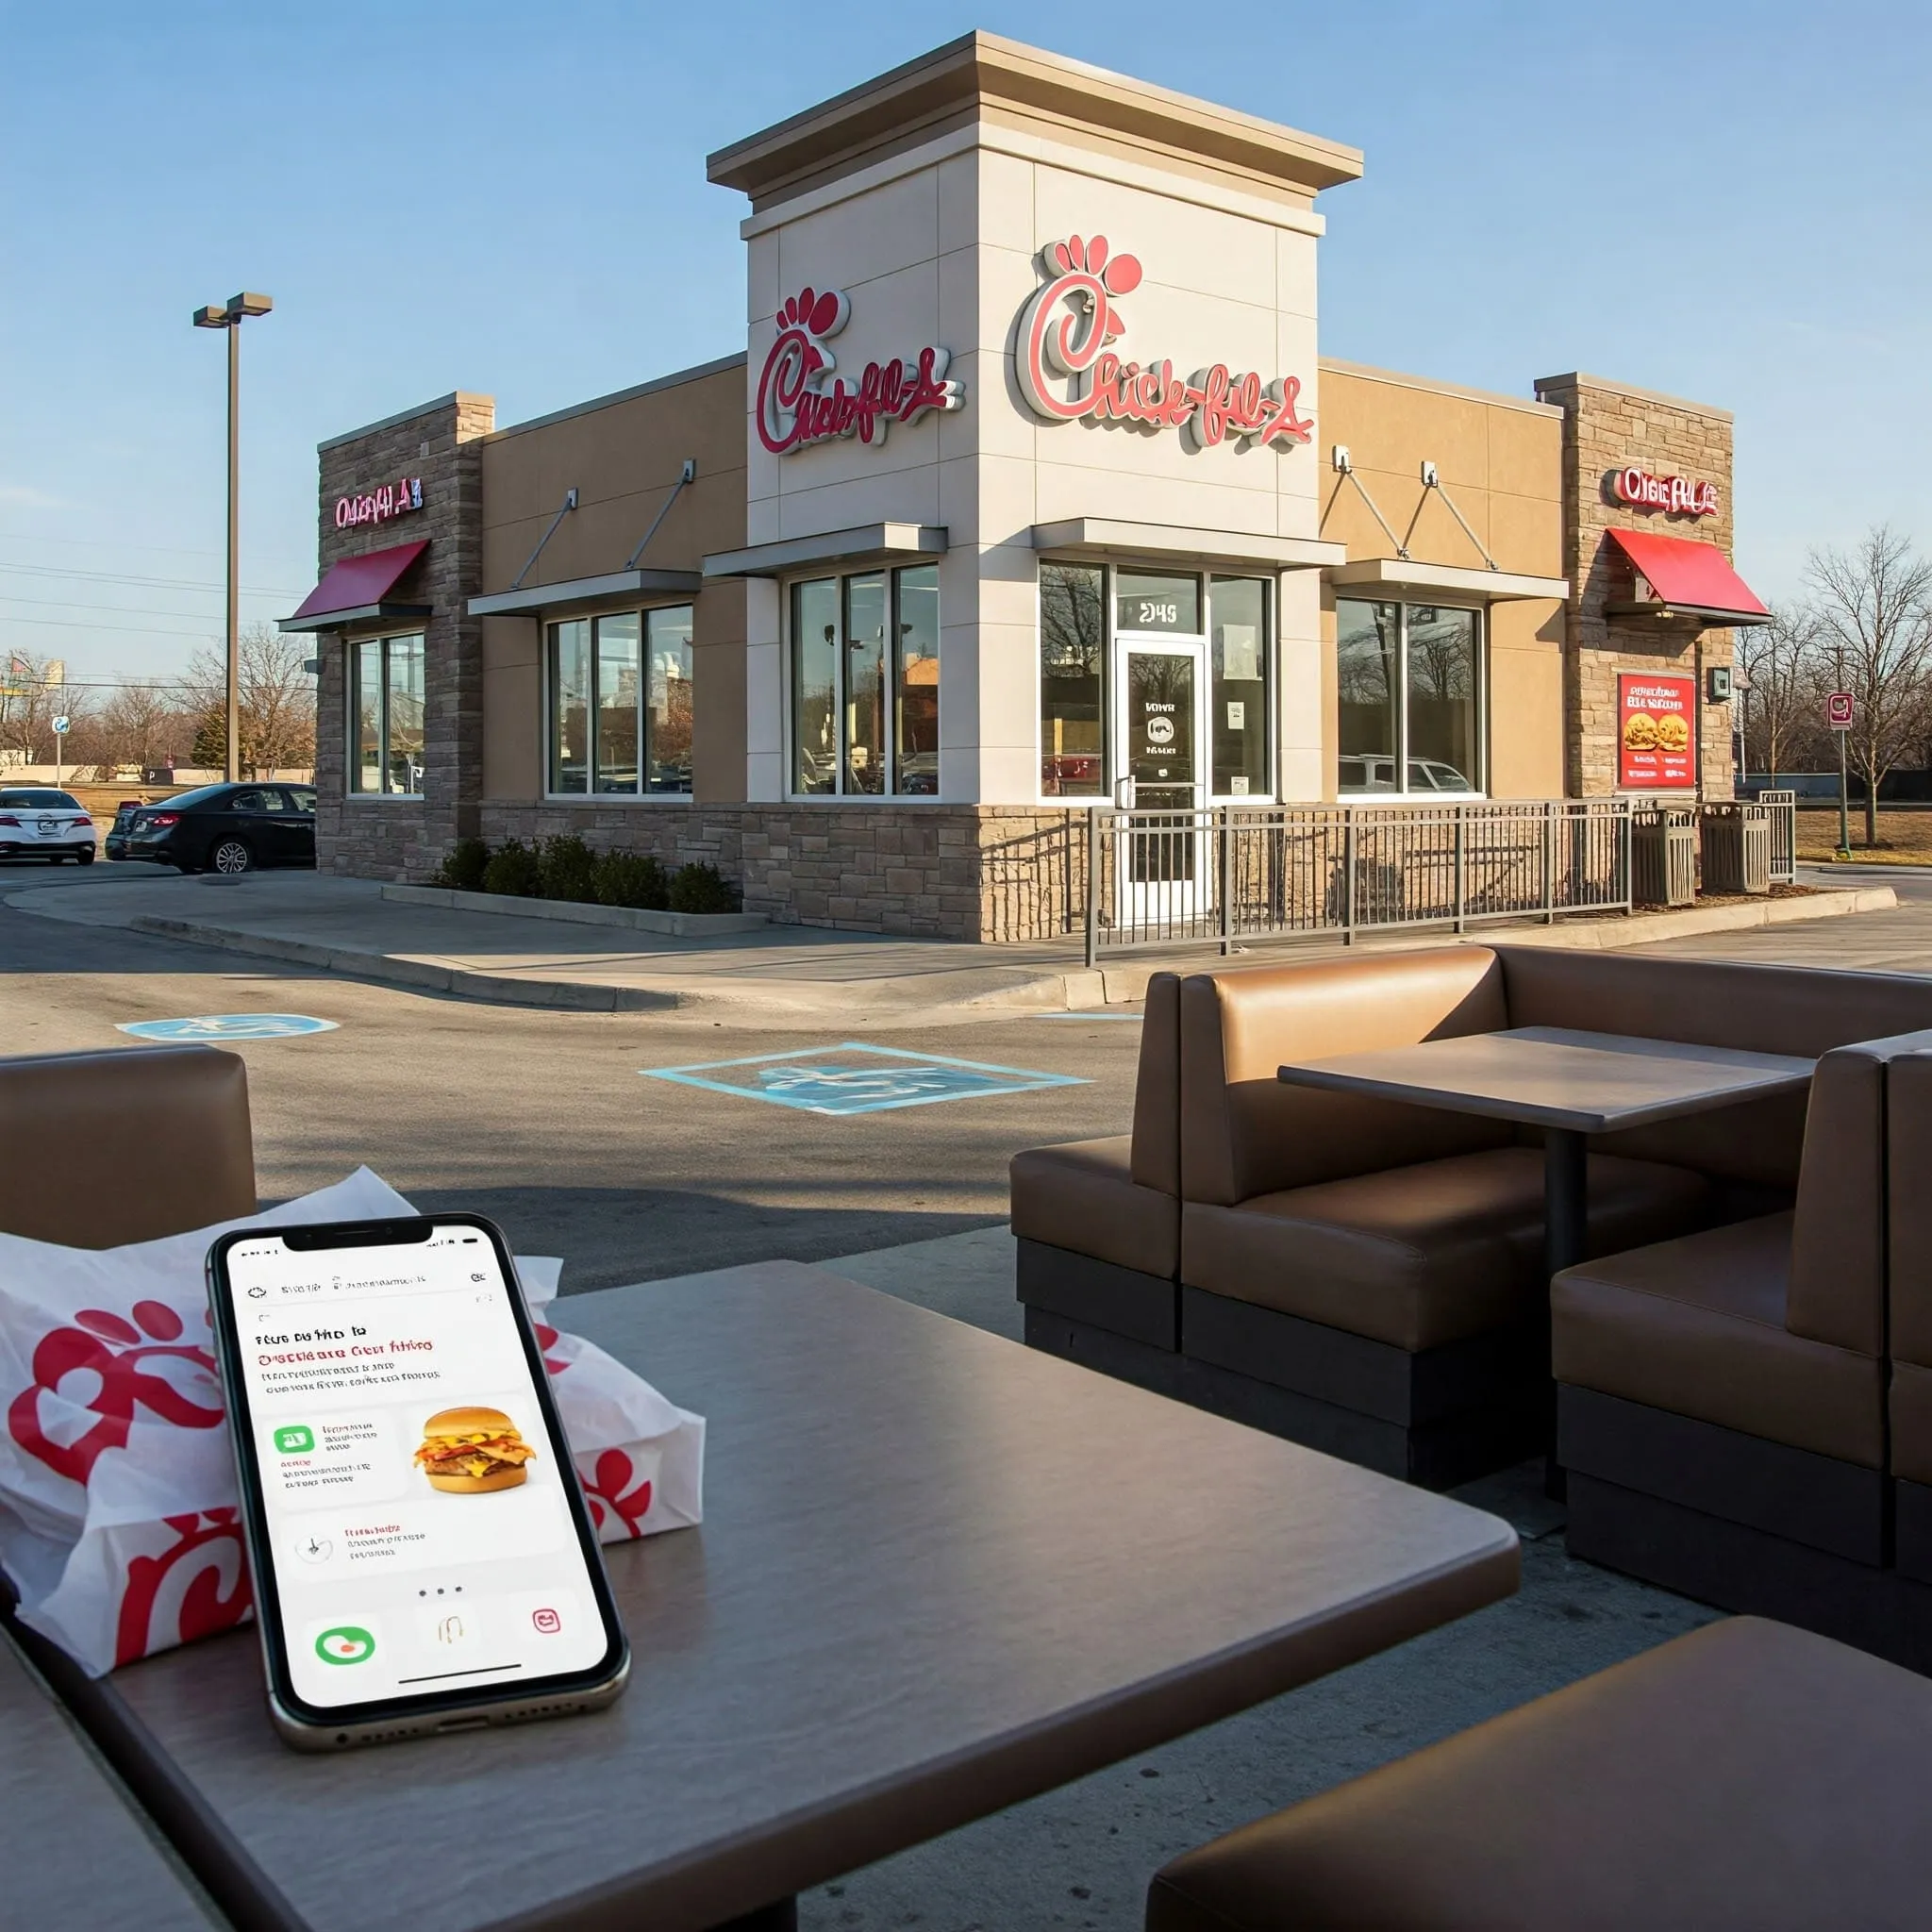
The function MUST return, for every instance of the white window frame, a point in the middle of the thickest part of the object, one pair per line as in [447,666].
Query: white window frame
[547,714]
[1481,786]
[353,648]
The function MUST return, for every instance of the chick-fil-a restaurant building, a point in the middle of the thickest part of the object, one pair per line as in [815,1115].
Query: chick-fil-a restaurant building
[1030,479]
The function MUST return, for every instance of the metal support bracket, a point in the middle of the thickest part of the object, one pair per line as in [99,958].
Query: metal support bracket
[1344,466]
[1432,480]
[570,502]
[686,474]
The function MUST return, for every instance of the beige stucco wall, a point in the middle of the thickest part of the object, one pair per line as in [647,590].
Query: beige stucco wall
[1500,459]
[623,456]
[940,245]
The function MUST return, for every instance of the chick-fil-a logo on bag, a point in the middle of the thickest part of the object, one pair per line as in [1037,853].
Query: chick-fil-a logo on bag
[802,402]
[1068,370]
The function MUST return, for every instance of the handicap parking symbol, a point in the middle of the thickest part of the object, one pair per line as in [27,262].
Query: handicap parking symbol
[209,1026]
[853,1078]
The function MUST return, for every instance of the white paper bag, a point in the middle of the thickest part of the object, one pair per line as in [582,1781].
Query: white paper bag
[119,1521]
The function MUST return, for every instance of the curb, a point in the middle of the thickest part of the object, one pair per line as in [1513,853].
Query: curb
[422,976]
[677,925]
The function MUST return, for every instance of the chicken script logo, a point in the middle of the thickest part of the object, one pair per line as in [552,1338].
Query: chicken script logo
[1068,368]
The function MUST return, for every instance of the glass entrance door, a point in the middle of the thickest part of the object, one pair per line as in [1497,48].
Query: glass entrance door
[1161,865]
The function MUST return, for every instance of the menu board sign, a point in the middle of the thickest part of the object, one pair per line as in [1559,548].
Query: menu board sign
[1657,732]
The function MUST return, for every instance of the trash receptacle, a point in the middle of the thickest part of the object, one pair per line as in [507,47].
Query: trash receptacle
[1736,848]
[1663,856]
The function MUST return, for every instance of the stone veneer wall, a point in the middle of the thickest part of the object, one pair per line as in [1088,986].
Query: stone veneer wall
[959,871]
[1607,427]
[405,839]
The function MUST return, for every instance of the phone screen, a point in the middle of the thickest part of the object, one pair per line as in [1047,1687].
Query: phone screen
[412,1497]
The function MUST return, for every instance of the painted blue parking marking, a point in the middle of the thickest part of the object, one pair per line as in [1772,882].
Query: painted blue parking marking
[206,1026]
[853,1077]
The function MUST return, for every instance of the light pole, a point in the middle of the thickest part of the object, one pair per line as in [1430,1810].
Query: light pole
[230,318]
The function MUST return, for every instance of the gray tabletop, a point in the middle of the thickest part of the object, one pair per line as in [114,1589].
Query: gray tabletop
[72,1850]
[1553,1076]
[938,1573]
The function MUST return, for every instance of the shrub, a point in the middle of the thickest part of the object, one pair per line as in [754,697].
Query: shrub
[514,870]
[631,879]
[700,889]
[568,867]
[464,866]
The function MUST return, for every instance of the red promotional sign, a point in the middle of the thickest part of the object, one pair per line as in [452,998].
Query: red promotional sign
[1068,368]
[1657,732]
[1838,710]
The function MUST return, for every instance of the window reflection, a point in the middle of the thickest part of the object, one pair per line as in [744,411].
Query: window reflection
[1409,698]
[386,694]
[668,713]
[865,684]
[620,657]
[1238,643]
[621,703]
[916,684]
[815,686]
[1072,645]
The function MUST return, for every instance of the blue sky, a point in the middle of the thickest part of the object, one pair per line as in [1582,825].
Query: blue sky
[1732,203]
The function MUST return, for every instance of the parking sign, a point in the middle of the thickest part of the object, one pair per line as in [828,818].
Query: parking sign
[1838,710]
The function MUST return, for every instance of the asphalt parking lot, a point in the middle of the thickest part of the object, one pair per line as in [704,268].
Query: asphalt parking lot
[540,1119]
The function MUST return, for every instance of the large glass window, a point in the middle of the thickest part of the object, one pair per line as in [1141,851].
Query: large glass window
[1409,683]
[619,703]
[386,716]
[916,684]
[1073,695]
[865,684]
[1238,646]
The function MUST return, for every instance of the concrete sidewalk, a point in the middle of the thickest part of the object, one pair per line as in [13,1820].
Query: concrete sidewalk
[348,927]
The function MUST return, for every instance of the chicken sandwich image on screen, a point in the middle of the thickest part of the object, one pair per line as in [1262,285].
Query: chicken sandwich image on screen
[469,1452]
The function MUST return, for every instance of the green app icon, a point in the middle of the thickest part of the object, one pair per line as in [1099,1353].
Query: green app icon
[296,1440]
[347,1643]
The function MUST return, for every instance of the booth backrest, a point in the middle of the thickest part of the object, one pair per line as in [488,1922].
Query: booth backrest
[1908,1147]
[1790,1009]
[99,1149]
[1244,1133]
[1157,1158]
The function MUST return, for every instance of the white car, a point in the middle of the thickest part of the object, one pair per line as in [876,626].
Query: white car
[37,821]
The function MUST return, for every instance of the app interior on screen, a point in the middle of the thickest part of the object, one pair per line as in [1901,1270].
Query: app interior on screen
[423,1540]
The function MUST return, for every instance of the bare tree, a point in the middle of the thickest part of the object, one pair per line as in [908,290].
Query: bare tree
[29,705]
[1779,662]
[1874,618]
[138,725]
[276,703]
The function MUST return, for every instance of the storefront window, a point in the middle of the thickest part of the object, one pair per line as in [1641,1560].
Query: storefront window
[1153,601]
[668,712]
[619,703]
[1238,645]
[865,684]
[1072,653]
[386,725]
[916,684]
[1409,684]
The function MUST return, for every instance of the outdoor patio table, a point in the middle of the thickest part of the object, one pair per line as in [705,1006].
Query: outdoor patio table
[72,1850]
[938,1573]
[1571,1084]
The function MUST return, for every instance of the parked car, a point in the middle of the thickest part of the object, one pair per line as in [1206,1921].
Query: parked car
[227,828]
[115,844]
[1367,771]
[37,821]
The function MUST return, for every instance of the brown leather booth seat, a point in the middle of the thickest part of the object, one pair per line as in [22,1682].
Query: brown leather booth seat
[1909,1152]
[100,1149]
[1098,1224]
[1745,1778]
[1722,1400]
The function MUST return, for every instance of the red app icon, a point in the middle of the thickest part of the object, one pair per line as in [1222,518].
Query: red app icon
[547,1621]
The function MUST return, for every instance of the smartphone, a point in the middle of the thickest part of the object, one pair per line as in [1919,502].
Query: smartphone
[424,1558]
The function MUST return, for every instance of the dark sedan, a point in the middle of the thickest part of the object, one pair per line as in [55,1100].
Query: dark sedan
[227,828]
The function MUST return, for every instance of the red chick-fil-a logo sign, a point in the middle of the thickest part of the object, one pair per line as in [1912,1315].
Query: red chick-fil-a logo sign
[377,506]
[1068,370]
[1678,495]
[802,402]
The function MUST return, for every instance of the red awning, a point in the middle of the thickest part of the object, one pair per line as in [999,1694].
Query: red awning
[1688,576]
[358,587]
